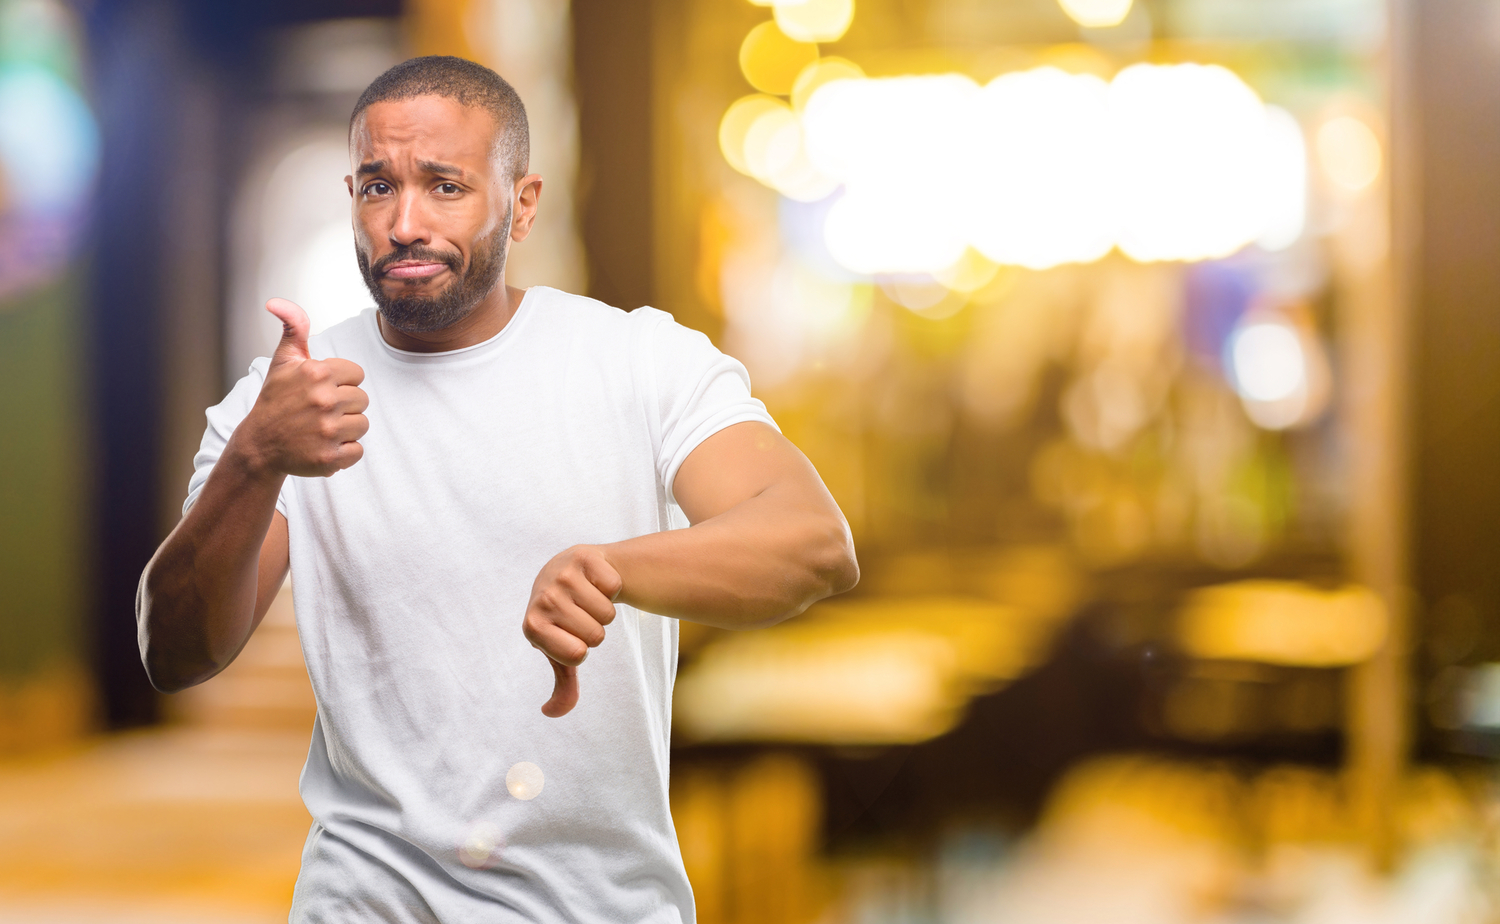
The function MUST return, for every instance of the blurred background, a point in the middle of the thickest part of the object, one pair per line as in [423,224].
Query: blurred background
[1149,348]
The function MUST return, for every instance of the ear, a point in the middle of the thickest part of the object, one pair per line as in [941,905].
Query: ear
[349,182]
[527,192]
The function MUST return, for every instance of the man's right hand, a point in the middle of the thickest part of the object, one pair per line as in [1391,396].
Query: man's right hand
[310,413]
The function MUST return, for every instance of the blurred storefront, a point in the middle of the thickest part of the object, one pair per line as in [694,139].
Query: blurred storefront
[1146,345]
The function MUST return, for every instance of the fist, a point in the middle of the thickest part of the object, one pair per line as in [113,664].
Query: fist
[572,601]
[310,414]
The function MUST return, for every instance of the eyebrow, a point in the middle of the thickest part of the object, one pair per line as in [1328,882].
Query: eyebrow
[431,166]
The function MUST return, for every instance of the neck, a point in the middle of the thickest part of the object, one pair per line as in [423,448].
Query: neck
[488,318]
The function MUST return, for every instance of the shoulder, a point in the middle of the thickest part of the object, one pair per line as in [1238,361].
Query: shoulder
[556,307]
[350,338]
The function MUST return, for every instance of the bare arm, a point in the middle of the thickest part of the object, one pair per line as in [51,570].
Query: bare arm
[766,542]
[211,582]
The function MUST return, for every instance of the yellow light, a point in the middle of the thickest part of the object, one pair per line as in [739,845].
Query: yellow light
[1097,14]
[771,61]
[972,272]
[1283,622]
[820,72]
[735,126]
[772,142]
[1349,153]
[815,20]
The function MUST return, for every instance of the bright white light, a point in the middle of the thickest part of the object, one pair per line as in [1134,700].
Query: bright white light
[1041,193]
[904,205]
[1268,362]
[1097,14]
[1189,142]
[1284,181]
[49,143]
[329,285]
[1166,162]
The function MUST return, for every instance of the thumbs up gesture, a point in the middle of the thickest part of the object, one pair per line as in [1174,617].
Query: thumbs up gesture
[310,413]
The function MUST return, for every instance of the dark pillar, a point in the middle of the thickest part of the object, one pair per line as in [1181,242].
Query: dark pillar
[612,66]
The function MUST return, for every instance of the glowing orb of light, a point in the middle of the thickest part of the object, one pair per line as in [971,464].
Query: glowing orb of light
[525,780]
[815,20]
[482,845]
[1349,153]
[1097,14]
[1268,361]
[1041,187]
[49,142]
[738,119]
[771,60]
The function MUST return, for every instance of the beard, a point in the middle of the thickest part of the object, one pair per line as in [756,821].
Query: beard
[419,314]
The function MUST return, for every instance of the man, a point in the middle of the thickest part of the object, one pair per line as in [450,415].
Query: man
[466,469]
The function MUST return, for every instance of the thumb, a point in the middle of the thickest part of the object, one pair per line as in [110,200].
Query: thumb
[564,691]
[294,328]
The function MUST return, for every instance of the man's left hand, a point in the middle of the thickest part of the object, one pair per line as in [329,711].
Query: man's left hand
[571,603]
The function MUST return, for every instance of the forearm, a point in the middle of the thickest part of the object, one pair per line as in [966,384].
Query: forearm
[197,602]
[762,561]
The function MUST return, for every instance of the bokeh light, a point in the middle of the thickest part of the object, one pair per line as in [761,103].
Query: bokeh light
[771,60]
[1041,188]
[1268,362]
[1283,622]
[1041,167]
[734,127]
[1188,143]
[525,780]
[1349,152]
[482,846]
[1097,14]
[49,143]
[815,20]
[820,72]
[904,205]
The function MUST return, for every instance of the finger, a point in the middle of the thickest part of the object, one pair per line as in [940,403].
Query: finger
[559,642]
[345,372]
[351,400]
[294,330]
[346,455]
[564,691]
[351,427]
[603,576]
[592,600]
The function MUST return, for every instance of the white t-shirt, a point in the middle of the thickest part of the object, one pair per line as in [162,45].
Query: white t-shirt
[411,572]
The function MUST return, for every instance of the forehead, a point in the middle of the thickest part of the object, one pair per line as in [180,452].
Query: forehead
[424,128]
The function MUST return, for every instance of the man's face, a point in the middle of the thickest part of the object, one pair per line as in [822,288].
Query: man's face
[432,209]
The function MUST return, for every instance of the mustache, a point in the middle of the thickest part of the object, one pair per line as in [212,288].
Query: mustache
[420,253]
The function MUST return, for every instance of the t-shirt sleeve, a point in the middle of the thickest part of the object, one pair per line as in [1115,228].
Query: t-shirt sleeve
[699,391]
[222,419]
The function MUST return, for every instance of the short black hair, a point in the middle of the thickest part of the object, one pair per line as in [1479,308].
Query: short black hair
[466,83]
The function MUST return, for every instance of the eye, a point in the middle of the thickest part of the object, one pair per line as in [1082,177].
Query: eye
[448,189]
[377,188]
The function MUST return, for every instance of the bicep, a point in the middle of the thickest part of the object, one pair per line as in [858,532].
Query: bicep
[740,462]
[275,562]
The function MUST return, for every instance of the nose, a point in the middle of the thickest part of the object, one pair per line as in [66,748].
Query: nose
[410,225]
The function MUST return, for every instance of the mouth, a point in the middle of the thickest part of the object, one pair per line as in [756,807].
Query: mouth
[414,270]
